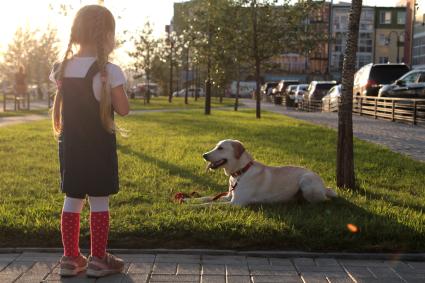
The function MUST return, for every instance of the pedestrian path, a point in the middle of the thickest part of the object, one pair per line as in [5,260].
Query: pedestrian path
[403,138]
[7,121]
[209,268]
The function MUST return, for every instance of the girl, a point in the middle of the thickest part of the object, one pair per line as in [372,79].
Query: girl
[89,91]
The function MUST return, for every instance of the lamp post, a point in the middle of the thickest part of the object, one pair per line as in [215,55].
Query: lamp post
[397,42]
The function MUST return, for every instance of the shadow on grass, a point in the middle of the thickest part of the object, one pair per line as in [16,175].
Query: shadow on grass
[172,169]
[341,225]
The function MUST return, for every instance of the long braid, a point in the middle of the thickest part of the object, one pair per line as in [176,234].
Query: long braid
[102,60]
[57,104]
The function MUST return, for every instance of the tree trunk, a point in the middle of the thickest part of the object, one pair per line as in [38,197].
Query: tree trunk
[237,93]
[257,59]
[170,96]
[208,81]
[187,77]
[345,153]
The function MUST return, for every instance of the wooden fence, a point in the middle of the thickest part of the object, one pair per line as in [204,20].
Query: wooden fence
[405,110]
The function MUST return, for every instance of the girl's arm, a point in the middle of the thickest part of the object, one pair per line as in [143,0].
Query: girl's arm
[120,100]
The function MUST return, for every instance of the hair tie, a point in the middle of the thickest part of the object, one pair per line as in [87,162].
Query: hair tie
[59,84]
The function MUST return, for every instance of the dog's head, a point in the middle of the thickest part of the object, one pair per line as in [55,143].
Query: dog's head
[227,154]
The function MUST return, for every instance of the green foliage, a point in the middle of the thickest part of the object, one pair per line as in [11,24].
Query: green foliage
[35,50]
[162,156]
[145,51]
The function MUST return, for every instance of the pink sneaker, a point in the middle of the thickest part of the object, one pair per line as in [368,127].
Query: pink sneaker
[72,265]
[110,264]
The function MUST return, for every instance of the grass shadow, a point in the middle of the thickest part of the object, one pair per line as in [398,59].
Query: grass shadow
[353,228]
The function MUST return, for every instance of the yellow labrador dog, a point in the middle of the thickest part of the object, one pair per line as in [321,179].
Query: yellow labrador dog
[252,182]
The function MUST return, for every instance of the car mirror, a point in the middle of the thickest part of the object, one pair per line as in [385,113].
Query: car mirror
[400,82]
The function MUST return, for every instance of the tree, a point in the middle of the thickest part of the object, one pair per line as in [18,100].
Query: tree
[345,153]
[33,50]
[145,48]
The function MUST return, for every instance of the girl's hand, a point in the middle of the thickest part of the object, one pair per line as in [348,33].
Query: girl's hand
[120,100]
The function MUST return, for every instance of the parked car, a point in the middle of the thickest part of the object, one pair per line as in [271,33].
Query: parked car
[290,94]
[190,92]
[332,97]
[410,85]
[369,78]
[282,85]
[318,89]
[267,88]
[141,88]
[299,92]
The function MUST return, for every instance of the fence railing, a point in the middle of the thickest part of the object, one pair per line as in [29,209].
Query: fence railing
[394,109]
[311,105]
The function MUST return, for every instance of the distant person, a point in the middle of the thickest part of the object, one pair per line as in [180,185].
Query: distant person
[21,82]
[90,90]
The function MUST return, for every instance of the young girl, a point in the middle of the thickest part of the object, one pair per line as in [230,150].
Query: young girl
[89,91]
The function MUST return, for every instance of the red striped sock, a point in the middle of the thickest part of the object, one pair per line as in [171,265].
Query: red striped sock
[99,230]
[70,230]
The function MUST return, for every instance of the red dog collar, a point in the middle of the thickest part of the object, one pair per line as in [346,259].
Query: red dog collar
[243,170]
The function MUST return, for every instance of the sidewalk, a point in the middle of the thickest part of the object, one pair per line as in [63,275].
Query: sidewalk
[402,138]
[164,267]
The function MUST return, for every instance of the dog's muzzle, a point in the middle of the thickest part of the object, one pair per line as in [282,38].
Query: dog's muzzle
[213,164]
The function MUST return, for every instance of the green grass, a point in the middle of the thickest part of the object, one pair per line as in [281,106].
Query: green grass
[161,102]
[162,156]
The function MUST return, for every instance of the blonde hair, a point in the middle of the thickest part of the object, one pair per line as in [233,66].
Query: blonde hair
[92,25]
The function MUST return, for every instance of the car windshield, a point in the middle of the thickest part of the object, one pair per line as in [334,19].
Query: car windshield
[324,86]
[386,74]
[271,85]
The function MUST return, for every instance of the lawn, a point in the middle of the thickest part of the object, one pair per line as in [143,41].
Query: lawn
[162,156]
[161,102]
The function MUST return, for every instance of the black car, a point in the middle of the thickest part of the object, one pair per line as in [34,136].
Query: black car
[369,78]
[410,85]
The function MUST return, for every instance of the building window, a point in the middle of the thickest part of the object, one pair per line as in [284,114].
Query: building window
[382,40]
[363,60]
[401,17]
[383,60]
[339,41]
[365,42]
[385,17]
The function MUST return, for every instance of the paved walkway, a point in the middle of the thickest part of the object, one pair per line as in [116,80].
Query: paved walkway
[402,138]
[151,267]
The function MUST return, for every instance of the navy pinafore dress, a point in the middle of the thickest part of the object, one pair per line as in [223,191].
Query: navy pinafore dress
[87,152]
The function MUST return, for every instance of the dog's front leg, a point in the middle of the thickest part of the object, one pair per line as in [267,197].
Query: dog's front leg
[215,203]
[198,200]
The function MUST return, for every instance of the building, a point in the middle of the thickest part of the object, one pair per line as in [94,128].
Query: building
[390,25]
[418,34]
[340,16]
[415,33]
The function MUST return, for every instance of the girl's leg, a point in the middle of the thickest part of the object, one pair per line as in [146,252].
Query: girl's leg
[70,226]
[101,263]
[99,225]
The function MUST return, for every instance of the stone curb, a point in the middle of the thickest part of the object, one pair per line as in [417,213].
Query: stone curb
[277,254]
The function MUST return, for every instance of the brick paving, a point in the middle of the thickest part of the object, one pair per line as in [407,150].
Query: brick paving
[402,138]
[150,267]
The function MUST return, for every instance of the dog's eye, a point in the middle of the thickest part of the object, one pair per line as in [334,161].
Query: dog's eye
[219,148]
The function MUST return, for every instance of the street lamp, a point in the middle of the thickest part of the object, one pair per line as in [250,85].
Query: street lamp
[388,41]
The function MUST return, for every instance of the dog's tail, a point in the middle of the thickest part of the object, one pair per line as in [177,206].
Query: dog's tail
[331,193]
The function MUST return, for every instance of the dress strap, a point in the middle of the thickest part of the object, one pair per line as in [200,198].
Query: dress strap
[93,70]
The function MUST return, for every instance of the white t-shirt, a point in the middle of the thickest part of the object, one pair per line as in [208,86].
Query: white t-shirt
[77,67]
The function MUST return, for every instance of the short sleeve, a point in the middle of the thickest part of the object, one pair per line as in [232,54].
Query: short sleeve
[116,76]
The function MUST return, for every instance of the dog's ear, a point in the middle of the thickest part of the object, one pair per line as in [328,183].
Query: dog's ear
[238,149]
